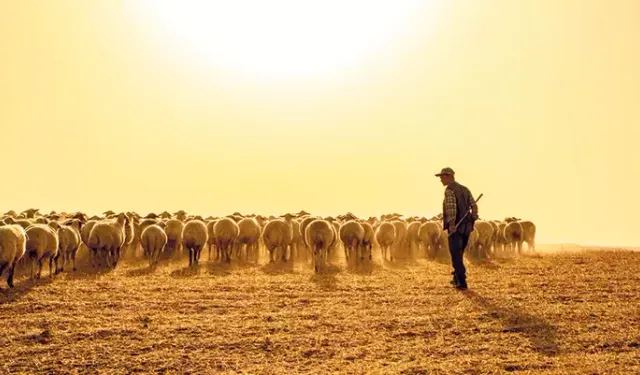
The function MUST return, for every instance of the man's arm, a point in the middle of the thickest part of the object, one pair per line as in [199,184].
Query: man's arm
[474,207]
[450,207]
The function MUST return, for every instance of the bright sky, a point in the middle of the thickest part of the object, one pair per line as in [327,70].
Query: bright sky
[331,108]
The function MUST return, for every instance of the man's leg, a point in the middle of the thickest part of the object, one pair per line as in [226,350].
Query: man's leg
[456,242]
[462,275]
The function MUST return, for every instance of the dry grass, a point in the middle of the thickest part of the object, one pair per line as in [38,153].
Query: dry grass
[550,313]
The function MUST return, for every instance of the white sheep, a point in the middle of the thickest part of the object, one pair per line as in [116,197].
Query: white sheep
[42,243]
[401,235]
[430,236]
[412,239]
[484,229]
[367,240]
[226,231]
[249,237]
[13,240]
[68,243]
[319,235]
[174,229]
[276,236]
[194,238]
[513,236]
[352,234]
[211,241]
[386,237]
[529,233]
[153,240]
[495,235]
[107,238]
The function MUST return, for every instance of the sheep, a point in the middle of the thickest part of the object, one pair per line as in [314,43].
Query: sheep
[211,241]
[529,233]
[13,240]
[485,238]
[494,236]
[296,241]
[501,240]
[11,213]
[24,223]
[174,229]
[108,236]
[153,240]
[226,231]
[303,226]
[68,243]
[386,237]
[319,235]
[336,239]
[412,240]
[367,240]
[430,237]
[41,220]
[31,213]
[513,236]
[276,236]
[351,234]
[472,243]
[249,236]
[401,235]
[194,238]
[181,215]
[129,234]
[42,243]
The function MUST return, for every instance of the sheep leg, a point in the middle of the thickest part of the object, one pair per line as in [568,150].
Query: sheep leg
[196,252]
[10,275]
[56,258]
[107,256]
[2,267]
[39,269]
[117,256]
[519,247]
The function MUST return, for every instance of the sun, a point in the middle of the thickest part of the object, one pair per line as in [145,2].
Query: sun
[285,38]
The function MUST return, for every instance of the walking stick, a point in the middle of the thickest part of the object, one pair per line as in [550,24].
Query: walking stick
[467,213]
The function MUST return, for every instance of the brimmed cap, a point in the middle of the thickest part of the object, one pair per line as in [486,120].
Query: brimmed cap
[445,171]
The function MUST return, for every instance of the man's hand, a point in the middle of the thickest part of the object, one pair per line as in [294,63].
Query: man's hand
[452,228]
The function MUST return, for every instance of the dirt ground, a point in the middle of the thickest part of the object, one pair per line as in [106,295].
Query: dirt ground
[556,313]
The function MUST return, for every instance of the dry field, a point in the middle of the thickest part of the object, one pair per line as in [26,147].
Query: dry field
[563,313]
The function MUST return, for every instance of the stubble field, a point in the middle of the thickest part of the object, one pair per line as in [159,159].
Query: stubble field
[569,312]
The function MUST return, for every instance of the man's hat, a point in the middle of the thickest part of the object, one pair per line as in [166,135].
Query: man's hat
[446,171]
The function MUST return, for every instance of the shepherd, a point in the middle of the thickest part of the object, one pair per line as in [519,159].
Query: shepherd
[459,213]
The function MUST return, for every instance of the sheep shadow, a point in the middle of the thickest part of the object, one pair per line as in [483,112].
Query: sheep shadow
[223,268]
[278,267]
[185,272]
[86,272]
[325,280]
[399,263]
[365,268]
[137,272]
[485,263]
[541,335]
[21,289]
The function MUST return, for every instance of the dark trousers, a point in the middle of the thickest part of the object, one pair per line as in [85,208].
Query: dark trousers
[457,244]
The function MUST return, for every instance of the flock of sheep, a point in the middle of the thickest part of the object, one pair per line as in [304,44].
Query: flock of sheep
[32,238]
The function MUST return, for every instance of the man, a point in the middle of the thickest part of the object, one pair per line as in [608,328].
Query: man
[457,202]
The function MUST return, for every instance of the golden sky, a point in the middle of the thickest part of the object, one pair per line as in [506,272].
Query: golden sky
[534,103]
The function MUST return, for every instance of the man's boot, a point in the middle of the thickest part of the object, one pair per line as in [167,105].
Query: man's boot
[461,284]
[454,280]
